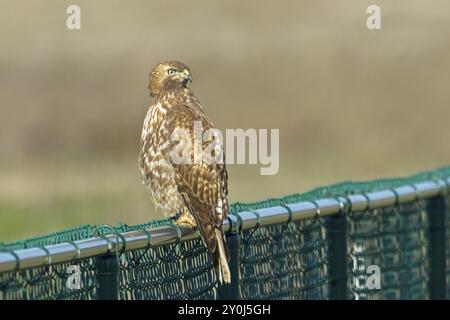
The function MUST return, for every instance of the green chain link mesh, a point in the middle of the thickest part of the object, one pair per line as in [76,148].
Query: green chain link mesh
[179,271]
[447,254]
[393,239]
[284,261]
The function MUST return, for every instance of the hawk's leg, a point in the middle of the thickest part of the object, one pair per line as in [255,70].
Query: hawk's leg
[184,219]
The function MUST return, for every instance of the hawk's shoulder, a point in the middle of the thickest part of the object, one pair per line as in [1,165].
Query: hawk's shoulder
[183,108]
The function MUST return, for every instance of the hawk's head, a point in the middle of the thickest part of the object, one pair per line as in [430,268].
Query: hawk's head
[166,75]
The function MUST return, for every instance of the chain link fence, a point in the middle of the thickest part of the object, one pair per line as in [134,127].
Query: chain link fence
[385,239]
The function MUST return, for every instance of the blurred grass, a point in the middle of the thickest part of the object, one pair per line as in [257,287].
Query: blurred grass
[350,103]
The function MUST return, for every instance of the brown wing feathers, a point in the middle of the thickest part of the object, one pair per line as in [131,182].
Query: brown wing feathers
[203,187]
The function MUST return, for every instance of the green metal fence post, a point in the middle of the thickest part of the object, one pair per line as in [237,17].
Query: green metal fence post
[107,273]
[437,247]
[338,257]
[231,291]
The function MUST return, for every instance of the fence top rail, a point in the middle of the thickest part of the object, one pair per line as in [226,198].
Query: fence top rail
[154,237]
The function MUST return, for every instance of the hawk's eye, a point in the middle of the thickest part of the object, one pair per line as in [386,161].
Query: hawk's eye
[170,72]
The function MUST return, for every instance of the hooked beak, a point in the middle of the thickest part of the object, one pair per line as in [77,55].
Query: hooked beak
[185,74]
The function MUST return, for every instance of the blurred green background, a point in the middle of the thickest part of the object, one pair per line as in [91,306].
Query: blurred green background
[350,103]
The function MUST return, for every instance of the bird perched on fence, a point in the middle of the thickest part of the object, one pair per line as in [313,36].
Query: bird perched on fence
[193,191]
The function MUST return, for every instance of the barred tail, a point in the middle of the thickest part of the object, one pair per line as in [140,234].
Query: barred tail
[221,256]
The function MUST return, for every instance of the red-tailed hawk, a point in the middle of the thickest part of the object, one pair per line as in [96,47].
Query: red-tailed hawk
[195,192]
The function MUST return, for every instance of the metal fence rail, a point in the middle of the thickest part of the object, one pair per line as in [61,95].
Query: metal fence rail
[106,248]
